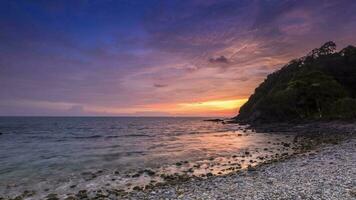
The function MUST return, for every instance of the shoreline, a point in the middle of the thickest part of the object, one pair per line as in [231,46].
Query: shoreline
[318,138]
[326,174]
[308,139]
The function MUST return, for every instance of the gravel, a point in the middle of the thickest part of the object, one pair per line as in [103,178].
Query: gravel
[329,173]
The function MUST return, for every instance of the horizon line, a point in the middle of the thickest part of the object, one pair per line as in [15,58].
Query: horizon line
[111,116]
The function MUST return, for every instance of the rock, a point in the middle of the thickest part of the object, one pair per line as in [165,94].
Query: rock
[149,172]
[70,198]
[286,144]
[137,188]
[214,120]
[285,154]
[250,168]
[82,194]
[28,193]
[52,197]
[353,192]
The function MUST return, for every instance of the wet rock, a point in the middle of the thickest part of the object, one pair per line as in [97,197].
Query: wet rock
[137,188]
[250,168]
[82,194]
[100,195]
[286,144]
[52,196]
[28,193]
[197,166]
[260,157]
[25,195]
[149,172]
[353,192]
[209,174]
[117,192]
[214,120]
[70,198]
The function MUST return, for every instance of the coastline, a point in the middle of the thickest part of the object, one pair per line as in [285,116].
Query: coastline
[309,139]
[329,173]
[325,168]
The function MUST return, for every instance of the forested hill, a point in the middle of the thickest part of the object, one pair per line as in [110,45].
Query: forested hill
[321,85]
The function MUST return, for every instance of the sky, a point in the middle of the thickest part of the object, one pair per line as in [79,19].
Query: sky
[154,58]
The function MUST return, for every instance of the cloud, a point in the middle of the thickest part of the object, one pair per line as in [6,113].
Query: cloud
[219,60]
[78,109]
[159,85]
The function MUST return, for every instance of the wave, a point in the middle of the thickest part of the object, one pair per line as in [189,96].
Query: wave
[129,135]
[87,137]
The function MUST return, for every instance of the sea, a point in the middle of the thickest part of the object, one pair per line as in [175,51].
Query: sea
[65,154]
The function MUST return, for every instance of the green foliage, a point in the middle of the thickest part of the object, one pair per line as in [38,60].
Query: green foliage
[312,87]
[344,108]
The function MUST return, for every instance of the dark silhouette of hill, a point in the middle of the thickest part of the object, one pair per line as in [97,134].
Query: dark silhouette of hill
[321,85]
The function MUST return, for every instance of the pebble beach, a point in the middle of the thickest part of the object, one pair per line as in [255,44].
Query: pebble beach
[329,173]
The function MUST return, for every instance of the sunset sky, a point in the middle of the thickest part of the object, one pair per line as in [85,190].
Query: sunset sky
[154,58]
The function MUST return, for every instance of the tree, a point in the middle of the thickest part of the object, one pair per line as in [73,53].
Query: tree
[327,48]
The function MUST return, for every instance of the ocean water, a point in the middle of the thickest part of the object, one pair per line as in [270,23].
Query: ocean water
[62,154]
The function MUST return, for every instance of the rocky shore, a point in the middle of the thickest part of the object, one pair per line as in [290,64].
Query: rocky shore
[324,168]
[328,173]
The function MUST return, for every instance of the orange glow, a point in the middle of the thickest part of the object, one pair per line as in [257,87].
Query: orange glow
[214,105]
[204,108]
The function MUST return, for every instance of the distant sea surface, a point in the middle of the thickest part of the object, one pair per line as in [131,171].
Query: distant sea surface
[49,152]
